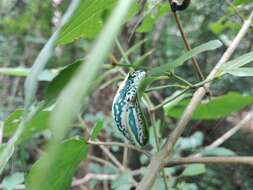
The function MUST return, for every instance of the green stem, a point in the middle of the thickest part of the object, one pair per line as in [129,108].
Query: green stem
[167,101]
[163,87]
[157,140]
[181,79]
[122,52]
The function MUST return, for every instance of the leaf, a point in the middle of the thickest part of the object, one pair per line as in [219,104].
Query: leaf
[135,47]
[10,182]
[86,22]
[95,130]
[31,82]
[239,2]
[60,81]
[185,143]
[145,83]
[175,98]
[211,45]
[6,152]
[218,107]
[71,153]
[219,151]
[240,72]
[237,62]
[72,98]
[187,186]
[139,60]
[194,169]
[150,19]
[124,179]
[46,75]
[37,124]
[159,184]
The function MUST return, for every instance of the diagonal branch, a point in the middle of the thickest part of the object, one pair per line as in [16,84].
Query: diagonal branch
[231,132]
[157,161]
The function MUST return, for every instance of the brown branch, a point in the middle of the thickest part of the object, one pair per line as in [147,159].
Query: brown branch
[157,161]
[247,160]
[231,132]
[121,145]
[112,157]
[228,134]
[188,46]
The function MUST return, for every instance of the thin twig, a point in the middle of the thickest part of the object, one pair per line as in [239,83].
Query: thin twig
[231,132]
[235,10]
[121,145]
[102,161]
[157,142]
[188,46]
[247,160]
[112,157]
[125,157]
[166,101]
[141,18]
[98,177]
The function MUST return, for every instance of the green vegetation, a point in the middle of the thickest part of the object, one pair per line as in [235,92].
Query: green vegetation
[61,63]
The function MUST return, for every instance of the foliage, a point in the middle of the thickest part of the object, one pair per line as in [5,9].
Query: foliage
[57,93]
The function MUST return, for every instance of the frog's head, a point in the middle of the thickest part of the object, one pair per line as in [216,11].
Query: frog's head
[137,76]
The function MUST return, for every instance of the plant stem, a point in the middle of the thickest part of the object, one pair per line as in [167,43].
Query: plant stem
[163,87]
[188,47]
[167,101]
[122,52]
[247,160]
[121,145]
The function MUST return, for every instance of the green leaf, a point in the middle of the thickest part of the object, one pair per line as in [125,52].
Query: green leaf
[191,142]
[145,83]
[135,47]
[159,184]
[61,80]
[175,98]
[240,72]
[211,45]
[194,169]
[37,124]
[238,62]
[31,82]
[73,96]
[187,186]
[217,27]
[71,153]
[150,19]
[7,152]
[124,179]
[10,182]
[95,130]
[218,107]
[140,59]
[86,22]
[219,151]
[239,2]
[46,75]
